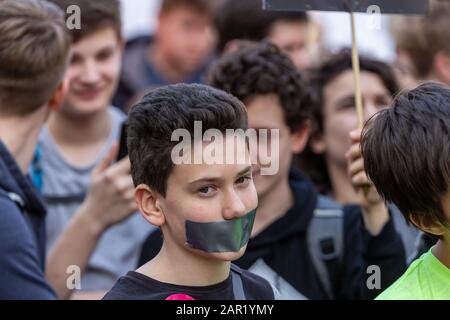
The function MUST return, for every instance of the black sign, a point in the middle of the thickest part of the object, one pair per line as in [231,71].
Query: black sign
[385,6]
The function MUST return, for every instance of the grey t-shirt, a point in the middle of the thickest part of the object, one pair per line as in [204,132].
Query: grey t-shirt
[64,188]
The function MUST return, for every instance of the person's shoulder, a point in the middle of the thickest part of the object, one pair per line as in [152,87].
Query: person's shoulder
[12,221]
[407,287]
[127,287]
[255,287]
[119,291]
[21,276]
[118,116]
[15,235]
[134,58]
[136,286]
[13,228]
[141,41]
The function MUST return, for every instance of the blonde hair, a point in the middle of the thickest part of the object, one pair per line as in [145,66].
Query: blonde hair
[34,52]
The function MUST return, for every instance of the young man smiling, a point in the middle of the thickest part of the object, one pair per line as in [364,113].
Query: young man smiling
[79,150]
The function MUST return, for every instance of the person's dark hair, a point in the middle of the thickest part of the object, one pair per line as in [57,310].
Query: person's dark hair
[261,68]
[203,6]
[246,20]
[406,152]
[314,165]
[153,120]
[95,15]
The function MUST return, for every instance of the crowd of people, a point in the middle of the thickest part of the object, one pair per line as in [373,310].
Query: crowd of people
[136,225]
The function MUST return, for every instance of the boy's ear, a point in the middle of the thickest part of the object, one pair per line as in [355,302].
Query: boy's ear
[57,99]
[300,137]
[427,225]
[232,46]
[122,44]
[147,201]
[317,143]
[442,66]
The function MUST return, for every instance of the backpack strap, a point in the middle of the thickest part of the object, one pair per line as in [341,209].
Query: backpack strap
[325,236]
[238,287]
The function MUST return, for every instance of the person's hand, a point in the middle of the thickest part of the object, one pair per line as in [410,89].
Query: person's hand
[110,198]
[355,163]
[375,213]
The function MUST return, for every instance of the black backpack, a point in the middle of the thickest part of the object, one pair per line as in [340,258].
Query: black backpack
[325,238]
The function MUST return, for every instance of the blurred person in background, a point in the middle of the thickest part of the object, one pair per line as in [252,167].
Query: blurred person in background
[238,20]
[326,159]
[409,39]
[33,58]
[80,169]
[423,43]
[335,117]
[179,51]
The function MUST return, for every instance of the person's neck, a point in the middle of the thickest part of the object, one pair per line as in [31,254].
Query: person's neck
[79,131]
[442,252]
[159,61]
[20,136]
[343,191]
[434,77]
[179,266]
[273,205]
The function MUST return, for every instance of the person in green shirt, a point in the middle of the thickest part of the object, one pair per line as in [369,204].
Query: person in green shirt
[406,152]
[426,278]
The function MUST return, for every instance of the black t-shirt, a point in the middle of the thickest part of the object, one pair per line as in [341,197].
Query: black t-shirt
[136,286]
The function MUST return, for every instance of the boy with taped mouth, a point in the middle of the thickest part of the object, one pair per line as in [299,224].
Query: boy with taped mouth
[205,211]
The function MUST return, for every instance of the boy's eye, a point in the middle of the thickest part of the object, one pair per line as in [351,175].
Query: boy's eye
[383,102]
[349,104]
[104,55]
[75,60]
[243,179]
[206,190]
[346,103]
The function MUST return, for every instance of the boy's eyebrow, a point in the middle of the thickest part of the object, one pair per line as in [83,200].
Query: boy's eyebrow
[215,179]
[347,97]
[246,170]
[109,47]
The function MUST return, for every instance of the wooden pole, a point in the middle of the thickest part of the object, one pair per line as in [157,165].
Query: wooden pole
[358,93]
[356,74]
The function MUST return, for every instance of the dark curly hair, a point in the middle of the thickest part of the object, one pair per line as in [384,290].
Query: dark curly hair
[261,68]
[314,164]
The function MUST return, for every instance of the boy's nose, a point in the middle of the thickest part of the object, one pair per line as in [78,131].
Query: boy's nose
[234,207]
[90,73]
